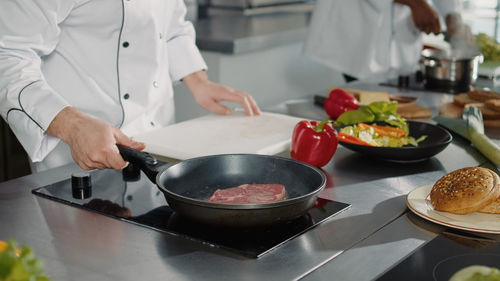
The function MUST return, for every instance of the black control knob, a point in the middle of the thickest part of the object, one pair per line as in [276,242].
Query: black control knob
[131,173]
[403,81]
[81,185]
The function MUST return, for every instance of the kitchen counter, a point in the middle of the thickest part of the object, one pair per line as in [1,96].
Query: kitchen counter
[241,34]
[80,245]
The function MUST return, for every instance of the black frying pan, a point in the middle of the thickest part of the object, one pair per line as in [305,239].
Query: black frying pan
[188,184]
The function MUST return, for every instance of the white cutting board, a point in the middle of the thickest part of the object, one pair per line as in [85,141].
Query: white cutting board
[269,134]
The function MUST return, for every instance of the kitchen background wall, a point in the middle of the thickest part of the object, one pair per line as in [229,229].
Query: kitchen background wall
[271,75]
[483,16]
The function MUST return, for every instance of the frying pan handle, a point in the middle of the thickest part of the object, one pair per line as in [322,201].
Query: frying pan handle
[147,163]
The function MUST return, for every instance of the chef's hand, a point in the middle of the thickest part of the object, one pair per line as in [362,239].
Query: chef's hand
[425,18]
[458,29]
[92,141]
[209,94]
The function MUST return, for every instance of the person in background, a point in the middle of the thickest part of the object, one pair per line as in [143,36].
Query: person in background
[378,39]
[78,77]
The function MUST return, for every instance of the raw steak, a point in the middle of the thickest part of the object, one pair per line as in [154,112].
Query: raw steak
[250,193]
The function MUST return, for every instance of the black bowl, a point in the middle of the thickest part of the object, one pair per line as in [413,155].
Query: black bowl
[437,140]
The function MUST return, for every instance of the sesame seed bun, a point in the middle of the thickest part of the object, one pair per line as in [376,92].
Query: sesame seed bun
[465,190]
[493,207]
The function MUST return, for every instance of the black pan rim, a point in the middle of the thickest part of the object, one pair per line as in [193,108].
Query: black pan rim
[230,206]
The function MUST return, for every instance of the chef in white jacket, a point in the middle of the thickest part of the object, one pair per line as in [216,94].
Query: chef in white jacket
[79,76]
[378,39]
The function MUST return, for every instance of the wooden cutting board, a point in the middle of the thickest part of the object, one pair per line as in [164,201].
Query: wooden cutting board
[269,133]
[452,110]
[412,110]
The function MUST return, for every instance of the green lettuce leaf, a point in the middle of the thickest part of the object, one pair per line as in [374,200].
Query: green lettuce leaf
[375,111]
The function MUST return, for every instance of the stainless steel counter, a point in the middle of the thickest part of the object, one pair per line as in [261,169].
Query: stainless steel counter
[79,245]
[242,34]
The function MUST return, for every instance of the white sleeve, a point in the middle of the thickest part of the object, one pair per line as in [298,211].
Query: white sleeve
[446,7]
[29,30]
[183,56]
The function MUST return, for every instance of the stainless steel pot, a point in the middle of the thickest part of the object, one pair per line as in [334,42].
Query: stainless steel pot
[450,69]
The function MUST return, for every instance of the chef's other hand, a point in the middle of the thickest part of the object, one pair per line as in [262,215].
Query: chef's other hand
[425,18]
[209,94]
[92,141]
[456,28]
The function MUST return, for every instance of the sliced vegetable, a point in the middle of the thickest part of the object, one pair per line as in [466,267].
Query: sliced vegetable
[352,139]
[388,131]
[377,135]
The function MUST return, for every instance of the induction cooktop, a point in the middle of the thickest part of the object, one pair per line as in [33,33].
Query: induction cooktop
[444,255]
[130,196]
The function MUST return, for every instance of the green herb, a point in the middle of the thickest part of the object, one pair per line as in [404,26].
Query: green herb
[375,111]
[22,267]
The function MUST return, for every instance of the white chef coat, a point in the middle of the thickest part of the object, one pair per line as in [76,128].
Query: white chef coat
[368,39]
[114,60]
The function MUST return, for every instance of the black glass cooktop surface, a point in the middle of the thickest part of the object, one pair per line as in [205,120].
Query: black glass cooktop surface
[444,255]
[137,200]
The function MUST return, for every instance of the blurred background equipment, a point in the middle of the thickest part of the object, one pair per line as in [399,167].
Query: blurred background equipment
[13,160]
[255,7]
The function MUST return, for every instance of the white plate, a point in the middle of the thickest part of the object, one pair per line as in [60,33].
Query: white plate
[419,203]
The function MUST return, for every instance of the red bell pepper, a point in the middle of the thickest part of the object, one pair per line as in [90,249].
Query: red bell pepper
[338,102]
[314,142]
